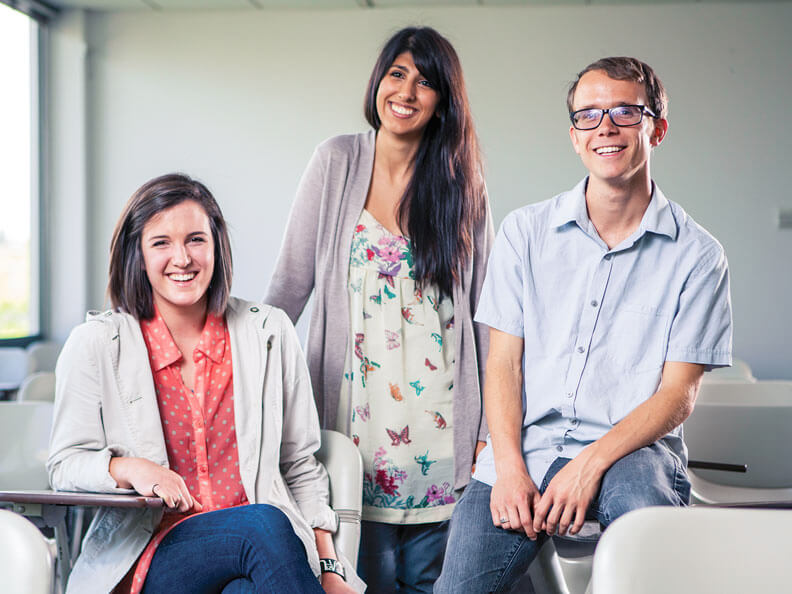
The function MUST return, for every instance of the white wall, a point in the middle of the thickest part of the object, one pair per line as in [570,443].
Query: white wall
[239,99]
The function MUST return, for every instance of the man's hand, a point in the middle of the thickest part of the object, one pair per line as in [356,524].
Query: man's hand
[514,497]
[565,501]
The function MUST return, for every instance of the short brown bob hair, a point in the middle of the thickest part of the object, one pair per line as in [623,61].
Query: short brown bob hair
[128,287]
[632,69]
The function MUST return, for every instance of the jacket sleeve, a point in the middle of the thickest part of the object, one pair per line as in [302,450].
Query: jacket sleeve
[304,474]
[484,236]
[293,280]
[79,455]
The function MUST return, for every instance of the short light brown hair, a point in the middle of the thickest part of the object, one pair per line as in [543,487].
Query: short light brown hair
[625,68]
[129,288]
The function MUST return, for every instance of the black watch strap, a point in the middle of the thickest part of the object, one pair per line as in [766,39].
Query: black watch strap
[332,566]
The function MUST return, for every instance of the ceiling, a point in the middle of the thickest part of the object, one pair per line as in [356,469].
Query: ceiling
[126,5]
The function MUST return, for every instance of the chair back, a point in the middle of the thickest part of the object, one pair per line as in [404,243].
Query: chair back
[42,356]
[743,423]
[38,386]
[26,565]
[24,441]
[344,466]
[13,367]
[657,550]
[739,371]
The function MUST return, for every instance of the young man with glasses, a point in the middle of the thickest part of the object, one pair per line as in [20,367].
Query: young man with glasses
[605,304]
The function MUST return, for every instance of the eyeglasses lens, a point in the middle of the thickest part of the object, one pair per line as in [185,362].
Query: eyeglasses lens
[626,115]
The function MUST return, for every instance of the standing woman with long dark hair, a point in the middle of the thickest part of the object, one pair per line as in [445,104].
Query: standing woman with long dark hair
[391,229]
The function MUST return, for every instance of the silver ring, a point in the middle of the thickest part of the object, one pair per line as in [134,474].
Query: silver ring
[504,520]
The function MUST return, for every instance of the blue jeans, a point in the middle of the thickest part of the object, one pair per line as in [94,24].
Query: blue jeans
[251,548]
[484,558]
[401,557]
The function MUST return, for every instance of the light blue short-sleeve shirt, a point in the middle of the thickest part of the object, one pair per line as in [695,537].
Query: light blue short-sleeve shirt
[599,323]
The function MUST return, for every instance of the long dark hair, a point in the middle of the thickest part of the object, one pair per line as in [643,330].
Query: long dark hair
[445,197]
[129,288]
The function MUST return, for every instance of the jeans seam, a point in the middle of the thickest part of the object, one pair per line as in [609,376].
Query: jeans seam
[509,562]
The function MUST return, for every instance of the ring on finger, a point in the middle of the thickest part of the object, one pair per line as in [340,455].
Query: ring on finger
[504,520]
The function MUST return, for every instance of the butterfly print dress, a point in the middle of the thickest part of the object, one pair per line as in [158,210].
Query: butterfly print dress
[398,382]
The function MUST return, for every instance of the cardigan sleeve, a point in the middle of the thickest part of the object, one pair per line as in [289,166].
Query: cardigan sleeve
[293,280]
[484,236]
[304,474]
[79,458]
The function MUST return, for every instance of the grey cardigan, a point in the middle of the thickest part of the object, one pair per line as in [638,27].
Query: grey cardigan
[315,256]
[106,405]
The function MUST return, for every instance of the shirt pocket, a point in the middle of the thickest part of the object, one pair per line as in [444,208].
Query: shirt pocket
[638,338]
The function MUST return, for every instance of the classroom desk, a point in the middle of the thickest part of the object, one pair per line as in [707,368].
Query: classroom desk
[48,509]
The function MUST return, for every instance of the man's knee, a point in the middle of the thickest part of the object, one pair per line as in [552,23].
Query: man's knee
[649,476]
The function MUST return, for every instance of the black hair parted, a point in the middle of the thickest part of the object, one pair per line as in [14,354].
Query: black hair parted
[446,196]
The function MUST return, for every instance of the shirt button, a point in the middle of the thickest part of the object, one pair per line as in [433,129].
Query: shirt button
[559,449]
[202,468]
[607,257]
[570,394]
[574,421]
[580,349]
[594,303]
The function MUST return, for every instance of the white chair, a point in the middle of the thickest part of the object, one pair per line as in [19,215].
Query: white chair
[38,386]
[747,425]
[657,550]
[25,559]
[739,371]
[344,466]
[42,356]
[24,440]
[13,369]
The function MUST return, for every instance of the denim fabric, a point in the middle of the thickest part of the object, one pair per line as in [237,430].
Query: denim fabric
[252,548]
[401,557]
[484,558]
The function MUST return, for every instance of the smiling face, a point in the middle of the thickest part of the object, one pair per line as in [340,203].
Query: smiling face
[615,156]
[406,101]
[178,255]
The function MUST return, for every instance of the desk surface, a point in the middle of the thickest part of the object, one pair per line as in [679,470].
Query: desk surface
[73,498]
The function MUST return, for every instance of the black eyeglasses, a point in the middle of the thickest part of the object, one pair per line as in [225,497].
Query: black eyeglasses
[623,115]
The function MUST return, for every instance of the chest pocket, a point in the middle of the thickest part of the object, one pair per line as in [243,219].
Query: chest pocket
[638,338]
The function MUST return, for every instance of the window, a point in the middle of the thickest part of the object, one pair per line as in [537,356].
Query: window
[19,175]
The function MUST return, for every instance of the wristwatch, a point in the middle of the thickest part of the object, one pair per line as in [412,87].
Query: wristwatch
[332,566]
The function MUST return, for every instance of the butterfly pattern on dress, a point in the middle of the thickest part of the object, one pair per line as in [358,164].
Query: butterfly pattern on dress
[395,392]
[392,340]
[439,340]
[424,462]
[401,437]
[440,422]
[408,457]
[364,412]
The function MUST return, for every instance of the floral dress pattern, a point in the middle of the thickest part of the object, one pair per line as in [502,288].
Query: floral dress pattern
[398,382]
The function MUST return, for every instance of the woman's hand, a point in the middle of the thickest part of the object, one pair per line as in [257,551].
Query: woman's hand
[333,583]
[152,480]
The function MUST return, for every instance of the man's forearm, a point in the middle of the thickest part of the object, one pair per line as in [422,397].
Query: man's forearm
[503,404]
[662,412]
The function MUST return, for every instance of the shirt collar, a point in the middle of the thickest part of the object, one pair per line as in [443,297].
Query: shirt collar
[163,350]
[213,338]
[658,218]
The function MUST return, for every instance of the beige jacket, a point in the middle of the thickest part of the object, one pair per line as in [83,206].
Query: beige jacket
[106,405]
